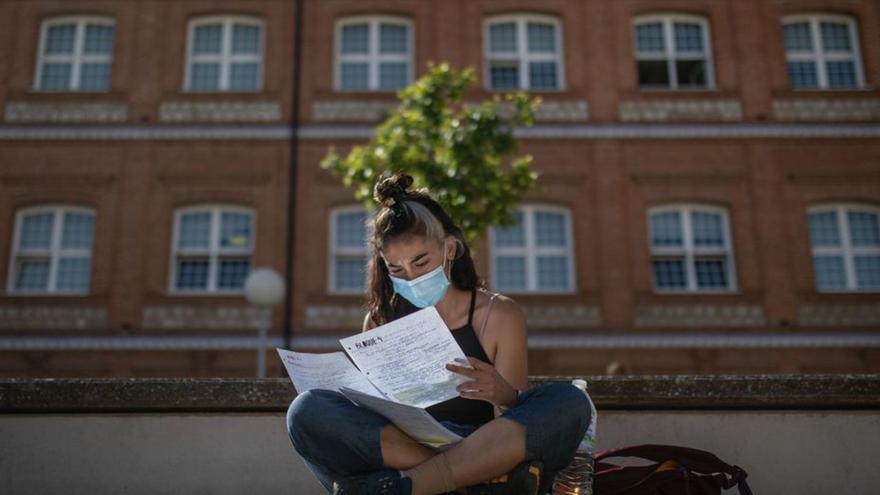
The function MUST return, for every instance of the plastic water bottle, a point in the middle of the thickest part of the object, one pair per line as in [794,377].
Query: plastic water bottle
[577,477]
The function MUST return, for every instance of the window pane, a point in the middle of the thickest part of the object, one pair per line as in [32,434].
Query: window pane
[841,74]
[36,231]
[513,235]
[797,37]
[351,230]
[542,75]
[392,38]
[94,77]
[99,39]
[350,273]
[669,274]
[688,37]
[235,230]
[60,39]
[205,77]
[867,272]
[550,229]
[510,272]
[649,37]
[711,273]
[33,275]
[552,272]
[55,77]
[802,75]
[207,39]
[835,37]
[653,73]
[354,76]
[830,274]
[233,272]
[73,274]
[666,229]
[502,37]
[691,72]
[195,230]
[245,39]
[244,77]
[504,75]
[823,229]
[542,38]
[864,228]
[707,229]
[392,75]
[78,231]
[355,38]
[192,274]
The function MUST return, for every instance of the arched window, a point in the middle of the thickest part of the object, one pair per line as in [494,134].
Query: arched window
[348,250]
[673,51]
[373,53]
[822,51]
[212,248]
[691,249]
[75,54]
[536,253]
[846,247]
[224,53]
[52,250]
[523,52]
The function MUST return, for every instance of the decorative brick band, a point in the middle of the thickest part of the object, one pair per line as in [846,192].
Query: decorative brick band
[347,318]
[207,318]
[219,111]
[826,109]
[373,111]
[555,111]
[812,315]
[680,111]
[22,112]
[562,317]
[699,315]
[52,318]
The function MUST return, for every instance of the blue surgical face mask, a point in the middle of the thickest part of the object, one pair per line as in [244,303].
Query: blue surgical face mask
[426,290]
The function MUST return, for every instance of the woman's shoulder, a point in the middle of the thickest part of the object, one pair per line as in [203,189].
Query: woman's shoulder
[502,311]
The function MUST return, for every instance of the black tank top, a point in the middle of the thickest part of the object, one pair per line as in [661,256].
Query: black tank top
[458,410]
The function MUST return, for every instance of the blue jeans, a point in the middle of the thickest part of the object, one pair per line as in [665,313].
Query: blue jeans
[337,438]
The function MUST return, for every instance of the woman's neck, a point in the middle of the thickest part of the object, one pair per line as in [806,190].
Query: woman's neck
[453,306]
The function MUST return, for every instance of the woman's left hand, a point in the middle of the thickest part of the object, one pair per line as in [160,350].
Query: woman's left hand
[486,383]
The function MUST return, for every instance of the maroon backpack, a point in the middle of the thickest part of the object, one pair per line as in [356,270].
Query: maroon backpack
[674,471]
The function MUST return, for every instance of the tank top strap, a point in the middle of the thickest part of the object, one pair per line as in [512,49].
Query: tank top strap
[471,309]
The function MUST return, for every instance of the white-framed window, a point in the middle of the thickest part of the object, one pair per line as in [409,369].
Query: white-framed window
[75,54]
[211,249]
[822,51]
[523,52]
[224,53]
[348,250]
[536,254]
[845,240]
[52,250]
[373,53]
[691,248]
[673,51]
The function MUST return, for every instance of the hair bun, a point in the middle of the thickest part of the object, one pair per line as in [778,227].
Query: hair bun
[389,190]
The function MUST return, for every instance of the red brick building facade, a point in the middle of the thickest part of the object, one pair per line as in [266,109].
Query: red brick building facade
[709,197]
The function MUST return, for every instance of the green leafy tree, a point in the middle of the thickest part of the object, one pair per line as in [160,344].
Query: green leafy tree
[458,151]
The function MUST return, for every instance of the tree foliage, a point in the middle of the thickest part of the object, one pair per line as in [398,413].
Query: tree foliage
[459,152]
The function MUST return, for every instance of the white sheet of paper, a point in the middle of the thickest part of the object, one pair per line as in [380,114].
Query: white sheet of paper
[414,421]
[406,358]
[330,371]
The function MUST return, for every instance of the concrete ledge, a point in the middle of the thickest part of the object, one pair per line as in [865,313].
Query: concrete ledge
[779,392]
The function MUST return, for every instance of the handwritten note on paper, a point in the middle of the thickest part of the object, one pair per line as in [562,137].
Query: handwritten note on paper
[324,371]
[414,421]
[406,358]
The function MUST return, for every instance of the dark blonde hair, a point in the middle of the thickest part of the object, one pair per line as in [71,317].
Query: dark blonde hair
[405,213]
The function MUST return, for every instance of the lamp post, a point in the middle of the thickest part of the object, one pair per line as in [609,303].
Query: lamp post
[263,288]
